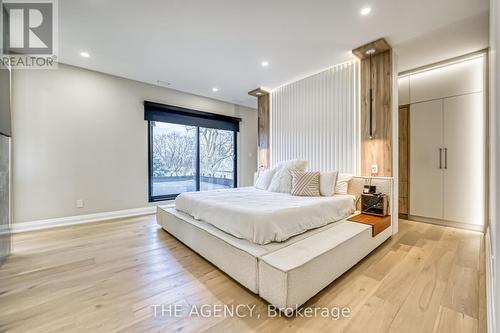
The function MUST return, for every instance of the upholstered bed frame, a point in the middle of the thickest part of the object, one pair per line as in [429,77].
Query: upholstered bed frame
[285,274]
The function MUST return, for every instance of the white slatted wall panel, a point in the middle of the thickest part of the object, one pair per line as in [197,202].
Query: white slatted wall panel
[317,119]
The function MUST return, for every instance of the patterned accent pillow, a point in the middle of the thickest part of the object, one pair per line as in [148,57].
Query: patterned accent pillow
[305,183]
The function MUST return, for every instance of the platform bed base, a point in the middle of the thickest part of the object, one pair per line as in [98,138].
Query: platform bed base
[284,274]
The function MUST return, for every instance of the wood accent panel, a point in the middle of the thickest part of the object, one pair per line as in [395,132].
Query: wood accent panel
[264,125]
[380,46]
[404,161]
[378,148]
[378,223]
[264,130]
[105,277]
[258,92]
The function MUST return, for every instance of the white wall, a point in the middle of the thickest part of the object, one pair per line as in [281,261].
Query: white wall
[79,134]
[494,297]
[450,41]
[317,119]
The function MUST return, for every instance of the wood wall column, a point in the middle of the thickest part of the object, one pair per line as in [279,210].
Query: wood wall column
[263,127]
[404,161]
[377,149]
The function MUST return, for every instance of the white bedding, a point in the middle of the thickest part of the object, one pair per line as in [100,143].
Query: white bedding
[261,216]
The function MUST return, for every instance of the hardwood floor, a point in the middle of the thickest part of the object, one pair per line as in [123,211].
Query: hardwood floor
[105,277]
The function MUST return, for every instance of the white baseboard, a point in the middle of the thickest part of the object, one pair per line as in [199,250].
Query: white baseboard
[80,219]
[490,292]
[459,225]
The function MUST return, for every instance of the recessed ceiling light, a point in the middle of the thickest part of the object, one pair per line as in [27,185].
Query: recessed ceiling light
[215,89]
[85,54]
[365,11]
[370,51]
[264,63]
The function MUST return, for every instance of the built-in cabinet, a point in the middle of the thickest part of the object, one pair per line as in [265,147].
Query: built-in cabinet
[426,174]
[447,142]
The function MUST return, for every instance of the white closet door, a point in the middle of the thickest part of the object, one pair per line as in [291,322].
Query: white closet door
[464,175]
[426,177]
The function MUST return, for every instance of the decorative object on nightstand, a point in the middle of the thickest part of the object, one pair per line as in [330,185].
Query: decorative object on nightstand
[369,189]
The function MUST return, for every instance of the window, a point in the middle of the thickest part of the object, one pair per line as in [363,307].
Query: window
[173,160]
[217,156]
[189,151]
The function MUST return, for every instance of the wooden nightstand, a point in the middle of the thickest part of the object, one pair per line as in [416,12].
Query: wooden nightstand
[378,223]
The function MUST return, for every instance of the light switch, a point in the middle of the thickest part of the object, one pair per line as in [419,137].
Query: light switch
[80,203]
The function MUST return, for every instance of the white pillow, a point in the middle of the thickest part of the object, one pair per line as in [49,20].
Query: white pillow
[257,174]
[342,183]
[327,183]
[281,182]
[264,179]
[282,179]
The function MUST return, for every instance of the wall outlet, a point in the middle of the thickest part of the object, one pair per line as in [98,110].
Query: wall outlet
[80,203]
[374,169]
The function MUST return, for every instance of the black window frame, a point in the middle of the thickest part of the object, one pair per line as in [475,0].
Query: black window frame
[155,112]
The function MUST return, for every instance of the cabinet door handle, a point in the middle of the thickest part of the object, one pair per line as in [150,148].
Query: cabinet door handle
[446,158]
[440,158]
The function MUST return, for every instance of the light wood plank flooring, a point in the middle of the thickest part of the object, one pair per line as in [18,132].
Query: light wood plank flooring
[104,277]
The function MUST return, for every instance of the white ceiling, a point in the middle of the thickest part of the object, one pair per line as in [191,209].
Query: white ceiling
[198,44]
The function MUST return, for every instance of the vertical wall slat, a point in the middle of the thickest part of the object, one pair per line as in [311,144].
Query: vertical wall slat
[317,119]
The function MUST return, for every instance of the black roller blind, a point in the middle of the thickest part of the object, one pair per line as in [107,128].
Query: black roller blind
[178,115]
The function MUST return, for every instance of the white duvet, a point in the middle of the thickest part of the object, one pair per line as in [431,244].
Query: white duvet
[262,216]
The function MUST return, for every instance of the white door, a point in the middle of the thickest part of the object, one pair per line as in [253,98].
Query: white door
[464,165]
[426,176]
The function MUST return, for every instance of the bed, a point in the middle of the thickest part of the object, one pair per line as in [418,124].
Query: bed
[309,255]
[262,216]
